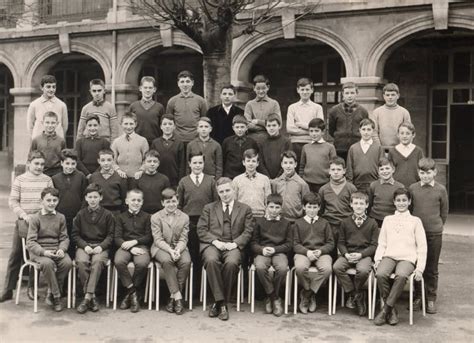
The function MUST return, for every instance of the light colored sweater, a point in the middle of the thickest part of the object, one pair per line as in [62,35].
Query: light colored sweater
[387,120]
[129,154]
[25,195]
[252,192]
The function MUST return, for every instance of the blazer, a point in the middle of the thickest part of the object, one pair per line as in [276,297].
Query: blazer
[222,122]
[167,233]
[210,224]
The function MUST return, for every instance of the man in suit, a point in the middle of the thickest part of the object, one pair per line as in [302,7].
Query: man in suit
[224,229]
[221,115]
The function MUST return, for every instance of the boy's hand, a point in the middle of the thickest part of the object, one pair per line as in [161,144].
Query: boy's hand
[138,175]
[176,255]
[137,251]
[317,253]
[97,250]
[88,176]
[122,174]
[356,256]
[219,245]
[254,121]
[128,244]
[418,275]
[231,246]
[59,253]
[89,250]
[26,218]
[376,264]
[49,253]
[268,251]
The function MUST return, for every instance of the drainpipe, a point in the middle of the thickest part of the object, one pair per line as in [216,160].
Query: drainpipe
[114,52]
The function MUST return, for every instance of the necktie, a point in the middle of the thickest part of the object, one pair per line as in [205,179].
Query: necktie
[312,220]
[226,210]
[197,180]
[127,137]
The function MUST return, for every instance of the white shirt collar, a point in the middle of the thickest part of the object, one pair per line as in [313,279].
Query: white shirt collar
[231,206]
[226,108]
[321,140]
[44,212]
[369,142]
[307,103]
[308,219]
[405,214]
[432,183]
[200,177]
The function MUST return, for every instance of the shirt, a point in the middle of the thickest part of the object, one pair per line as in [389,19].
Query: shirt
[260,109]
[302,112]
[36,111]
[365,145]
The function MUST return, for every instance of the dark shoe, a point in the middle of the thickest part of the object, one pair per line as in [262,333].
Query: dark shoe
[431,307]
[277,308]
[170,306]
[268,306]
[416,305]
[125,304]
[94,305]
[57,306]
[83,306]
[312,303]
[179,307]
[213,311]
[134,304]
[350,303]
[361,304]
[393,317]
[7,295]
[31,293]
[381,317]
[224,313]
[49,299]
[304,302]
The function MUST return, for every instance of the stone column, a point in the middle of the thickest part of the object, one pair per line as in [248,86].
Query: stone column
[243,92]
[30,16]
[124,12]
[370,90]
[125,94]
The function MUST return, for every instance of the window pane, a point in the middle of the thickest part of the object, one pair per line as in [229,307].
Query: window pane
[440,114]
[440,68]
[439,133]
[334,70]
[438,150]
[440,97]
[462,67]
[317,72]
[461,95]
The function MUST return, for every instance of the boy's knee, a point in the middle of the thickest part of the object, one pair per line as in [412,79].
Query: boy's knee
[47,264]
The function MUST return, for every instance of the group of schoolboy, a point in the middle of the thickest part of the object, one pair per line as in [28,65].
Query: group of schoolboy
[139,195]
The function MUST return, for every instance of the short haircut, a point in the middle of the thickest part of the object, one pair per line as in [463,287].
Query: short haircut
[93,187]
[196,153]
[338,161]
[129,115]
[367,121]
[349,85]
[223,180]
[401,191]
[426,164]
[167,116]
[33,154]
[289,154]
[239,119]
[273,117]
[47,79]
[97,82]
[317,123]
[185,73]
[51,114]
[312,199]
[49,190]
[360,195]
[205,119]
[228,87]
[152,153]
[250,153]
[275,198]
[385,162]
[391,87]
[168,193]
[408,125]
[148,79]
[135,190]
[105,152]
[68,153]
[261,79]
[93,117]
[303,82]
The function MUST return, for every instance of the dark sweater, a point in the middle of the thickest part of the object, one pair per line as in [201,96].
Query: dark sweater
[222,122]
[336,207]
[362,168]
[430,204]
[233,149]
[71,192]
[148,120]
[172,158]
[314,163]
[51,147]
[277,234]
[98,232]
[192,199]
[343,125]
[47,232]
[152,186]
[271,149]
[129,227]
[212,152]
[312,236]
[381,199]
[361,239]
[114,190]
[406,168]
[88,153]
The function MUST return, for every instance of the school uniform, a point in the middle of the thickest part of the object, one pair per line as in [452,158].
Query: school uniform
[292,189]
[172,158]
[109,124]
[152,185]
[212,152]
[381,199]
[270,151]
[387,119]
[37,110]
[362,163]
[148,114]
[129,152]
[253,191]
[114,190]
[260,109]
[51,146]
[87,149]
[406,167]
[314,164]
[233,149]
[221,119]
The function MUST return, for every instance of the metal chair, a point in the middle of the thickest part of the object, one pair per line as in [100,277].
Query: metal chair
[148,286]
[240,288]
[187,291]
[311,270]
[109,284]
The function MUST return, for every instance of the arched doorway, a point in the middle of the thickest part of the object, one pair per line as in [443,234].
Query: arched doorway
[6,123]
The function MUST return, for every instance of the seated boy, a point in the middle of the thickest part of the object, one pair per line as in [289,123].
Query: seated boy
[234,146]
[170,228]
[47,242]
[132,239]
[50,144]
[291,187]
[92,234]
[358,236]
[252,188]
[271,242]
[401,250]
[313,242]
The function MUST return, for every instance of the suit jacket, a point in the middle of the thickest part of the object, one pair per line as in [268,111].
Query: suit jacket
[222,122]
[169,232]
[210,224]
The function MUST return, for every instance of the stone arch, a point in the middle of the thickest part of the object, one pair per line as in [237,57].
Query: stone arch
[396,36]
[247,53]
[11,66]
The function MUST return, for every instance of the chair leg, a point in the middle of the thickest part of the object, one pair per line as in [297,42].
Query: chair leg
[74,271]
[374,296]
[204,289]
[107,299]
[287,290]
[334,299]
[201,289]
[157,290]
[242,290]
[249,285]
[252,290]
[115,288]
[411,299]
[147,284]
[151,271]
[290,284]
[35,301]
[239,275]
[330,295]
[69,282]
[423,299]
[190,281]
[186,290]
[18,285]
[369,290]
[295,299]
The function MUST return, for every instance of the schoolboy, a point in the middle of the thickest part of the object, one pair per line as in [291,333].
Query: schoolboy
[92,234]
[170,228]
[71,185]
[47,102]
[47,243]
[88,147]
[272,146]
[381,192]
[211,149]
[272,241]
[147,110]
[312,244]
[24,201]
[130,148]
[336,198]
[109,125]
[258,109]
[344,119]
[358,237]
[222,115]
[315,156]
[171,150]
[114,187]
[406,155]
[300,114]
[252,188]
[151,182]
[186,108]
[363,158]
[291,187]
[430,204]
[132,239]
[234,146]
[399,251]
[50,144]
[388,117]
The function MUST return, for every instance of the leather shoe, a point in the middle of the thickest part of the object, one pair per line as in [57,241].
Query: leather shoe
[393,317]
[170,306]
[134,304]
[31,293]
[381,317]
[213,311]
[7,295]
[431,307]
[277,308]
[224,313]
[83,306]
[361,304]
[94,305]
[312,303]
[304,302]
[179,307]
[268,306]
[57,305]
[49,299]
[125,304]
[350,302]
